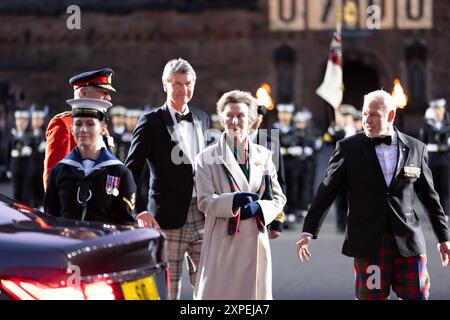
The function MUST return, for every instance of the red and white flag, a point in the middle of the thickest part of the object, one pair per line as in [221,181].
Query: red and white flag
[332,87]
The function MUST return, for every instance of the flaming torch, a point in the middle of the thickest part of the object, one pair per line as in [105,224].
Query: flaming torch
[401,100]
[263,96]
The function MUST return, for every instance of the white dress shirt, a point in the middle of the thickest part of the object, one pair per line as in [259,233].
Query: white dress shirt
[388,157]
[185,134]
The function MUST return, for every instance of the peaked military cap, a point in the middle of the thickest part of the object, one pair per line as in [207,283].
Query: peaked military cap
[438,103]
[285,107]
[118,110]
[21,114]
[98,78]
[347,109]
[303,116]
[134,113]
[38,114]
[89,108]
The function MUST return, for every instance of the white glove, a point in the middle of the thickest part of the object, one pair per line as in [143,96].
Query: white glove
[26,151]
[41,147]
[308,151]
[295,151]
[432,147]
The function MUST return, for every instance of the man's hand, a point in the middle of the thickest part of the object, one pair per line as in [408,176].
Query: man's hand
[273,234]
[302,247]
[146,220]
[444,251]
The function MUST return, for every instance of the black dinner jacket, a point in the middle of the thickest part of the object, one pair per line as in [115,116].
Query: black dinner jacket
[373,204]
[171,183]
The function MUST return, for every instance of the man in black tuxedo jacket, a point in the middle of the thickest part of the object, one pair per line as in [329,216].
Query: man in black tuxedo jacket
[383,171]
[168,139]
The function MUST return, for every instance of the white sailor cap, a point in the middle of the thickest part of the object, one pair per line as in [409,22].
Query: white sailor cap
[302,116]
[214,117]
[118,111]
[285,107]
[345,109]
[429,113]
[357,115]
[89,108]
[438,103]
[23,114]
[38,114]
[136,113]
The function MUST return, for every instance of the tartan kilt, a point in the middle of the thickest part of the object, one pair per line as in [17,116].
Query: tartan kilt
[407,276]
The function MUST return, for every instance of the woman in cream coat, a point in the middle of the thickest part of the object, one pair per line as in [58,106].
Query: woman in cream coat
[236,266]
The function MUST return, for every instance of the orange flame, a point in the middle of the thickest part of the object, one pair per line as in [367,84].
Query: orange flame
[263,96]
[400,98]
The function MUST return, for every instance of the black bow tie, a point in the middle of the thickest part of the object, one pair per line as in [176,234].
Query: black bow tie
[386,140]
[180,117]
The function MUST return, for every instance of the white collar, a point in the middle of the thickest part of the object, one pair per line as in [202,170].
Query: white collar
[172,112]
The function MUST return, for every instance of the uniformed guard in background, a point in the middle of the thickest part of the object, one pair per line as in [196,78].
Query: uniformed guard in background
[215,131]
[357,120]
[287,143]
[36,167]
[343,127]
[123,140]
[118,127]
[131,119]
[436,135]
[18,155]
[117,116]
[308,143]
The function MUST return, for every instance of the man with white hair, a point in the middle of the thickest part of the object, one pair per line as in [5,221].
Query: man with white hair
[383,171]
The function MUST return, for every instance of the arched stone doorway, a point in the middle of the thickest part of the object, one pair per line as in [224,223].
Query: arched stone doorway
[284,58]
[359,79]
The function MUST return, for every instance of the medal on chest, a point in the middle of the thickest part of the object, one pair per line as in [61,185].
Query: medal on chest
[112,185]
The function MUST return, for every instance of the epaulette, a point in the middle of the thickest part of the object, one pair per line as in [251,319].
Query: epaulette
[63,114]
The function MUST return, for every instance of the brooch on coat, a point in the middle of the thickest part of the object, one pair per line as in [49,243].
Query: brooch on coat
[412,172]
[112,185]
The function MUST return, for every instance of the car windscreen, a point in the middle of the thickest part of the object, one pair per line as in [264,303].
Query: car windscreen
[9,215]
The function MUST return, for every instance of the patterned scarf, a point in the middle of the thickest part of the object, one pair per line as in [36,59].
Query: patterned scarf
[264,192]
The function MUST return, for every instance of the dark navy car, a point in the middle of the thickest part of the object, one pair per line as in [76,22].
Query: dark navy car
[44,257]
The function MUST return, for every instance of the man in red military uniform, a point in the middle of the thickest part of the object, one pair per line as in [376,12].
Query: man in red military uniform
[92,84]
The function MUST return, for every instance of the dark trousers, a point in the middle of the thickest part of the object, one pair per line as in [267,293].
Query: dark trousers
[291,173]
[441,181]
[305,188]
[37,189]
[19,180]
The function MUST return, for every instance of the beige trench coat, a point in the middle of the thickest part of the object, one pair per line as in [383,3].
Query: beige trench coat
[234,267]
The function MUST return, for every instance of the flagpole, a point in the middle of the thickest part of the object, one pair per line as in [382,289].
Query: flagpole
[338,14]
[331,89]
